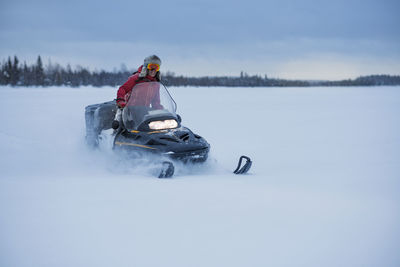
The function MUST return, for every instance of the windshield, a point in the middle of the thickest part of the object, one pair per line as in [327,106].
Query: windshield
[149,101]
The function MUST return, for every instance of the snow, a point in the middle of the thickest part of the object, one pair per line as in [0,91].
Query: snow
[323,190]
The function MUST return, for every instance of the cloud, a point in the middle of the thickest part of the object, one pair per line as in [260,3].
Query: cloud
[278,38]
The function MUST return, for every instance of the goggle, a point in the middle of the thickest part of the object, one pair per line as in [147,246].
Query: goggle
[153,66]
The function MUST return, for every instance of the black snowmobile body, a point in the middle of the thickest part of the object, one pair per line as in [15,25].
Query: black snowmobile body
[180,143]
[149,125]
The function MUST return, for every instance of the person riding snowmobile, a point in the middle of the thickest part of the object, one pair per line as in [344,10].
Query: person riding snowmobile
[148,72]
[149,125]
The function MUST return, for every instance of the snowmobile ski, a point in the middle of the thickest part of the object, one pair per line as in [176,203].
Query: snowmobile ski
[246,166]
[167,170]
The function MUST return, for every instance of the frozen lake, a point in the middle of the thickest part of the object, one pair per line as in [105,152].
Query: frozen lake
[323,190]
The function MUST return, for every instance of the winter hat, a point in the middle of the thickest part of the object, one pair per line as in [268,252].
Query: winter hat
[153,59]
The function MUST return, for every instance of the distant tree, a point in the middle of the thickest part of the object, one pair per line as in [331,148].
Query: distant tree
[69,76]
[123,68]
[58,75]
[7,71]
[26,75]
[39,72]
[15,72]
[83,76]
[2,73]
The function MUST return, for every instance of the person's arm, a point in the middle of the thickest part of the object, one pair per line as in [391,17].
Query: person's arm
[125,89]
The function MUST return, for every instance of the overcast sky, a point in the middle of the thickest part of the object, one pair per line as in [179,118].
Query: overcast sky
[307,39]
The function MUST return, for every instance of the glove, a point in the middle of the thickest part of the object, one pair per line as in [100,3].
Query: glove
[121,104]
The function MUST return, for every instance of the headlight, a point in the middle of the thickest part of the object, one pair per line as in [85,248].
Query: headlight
[159,125]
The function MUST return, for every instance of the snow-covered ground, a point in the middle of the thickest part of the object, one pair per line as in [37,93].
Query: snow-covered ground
[323,190]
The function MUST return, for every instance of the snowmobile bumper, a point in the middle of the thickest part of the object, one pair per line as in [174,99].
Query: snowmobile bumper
[194,156]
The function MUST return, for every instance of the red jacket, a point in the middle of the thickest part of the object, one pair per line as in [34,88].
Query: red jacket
[124,92]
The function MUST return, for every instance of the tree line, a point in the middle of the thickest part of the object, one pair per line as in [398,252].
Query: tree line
[15,73]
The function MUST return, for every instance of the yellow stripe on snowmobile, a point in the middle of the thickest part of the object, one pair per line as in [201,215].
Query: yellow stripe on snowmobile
[130,144]
[160,131]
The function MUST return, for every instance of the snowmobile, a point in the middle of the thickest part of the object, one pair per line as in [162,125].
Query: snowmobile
[149,124]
